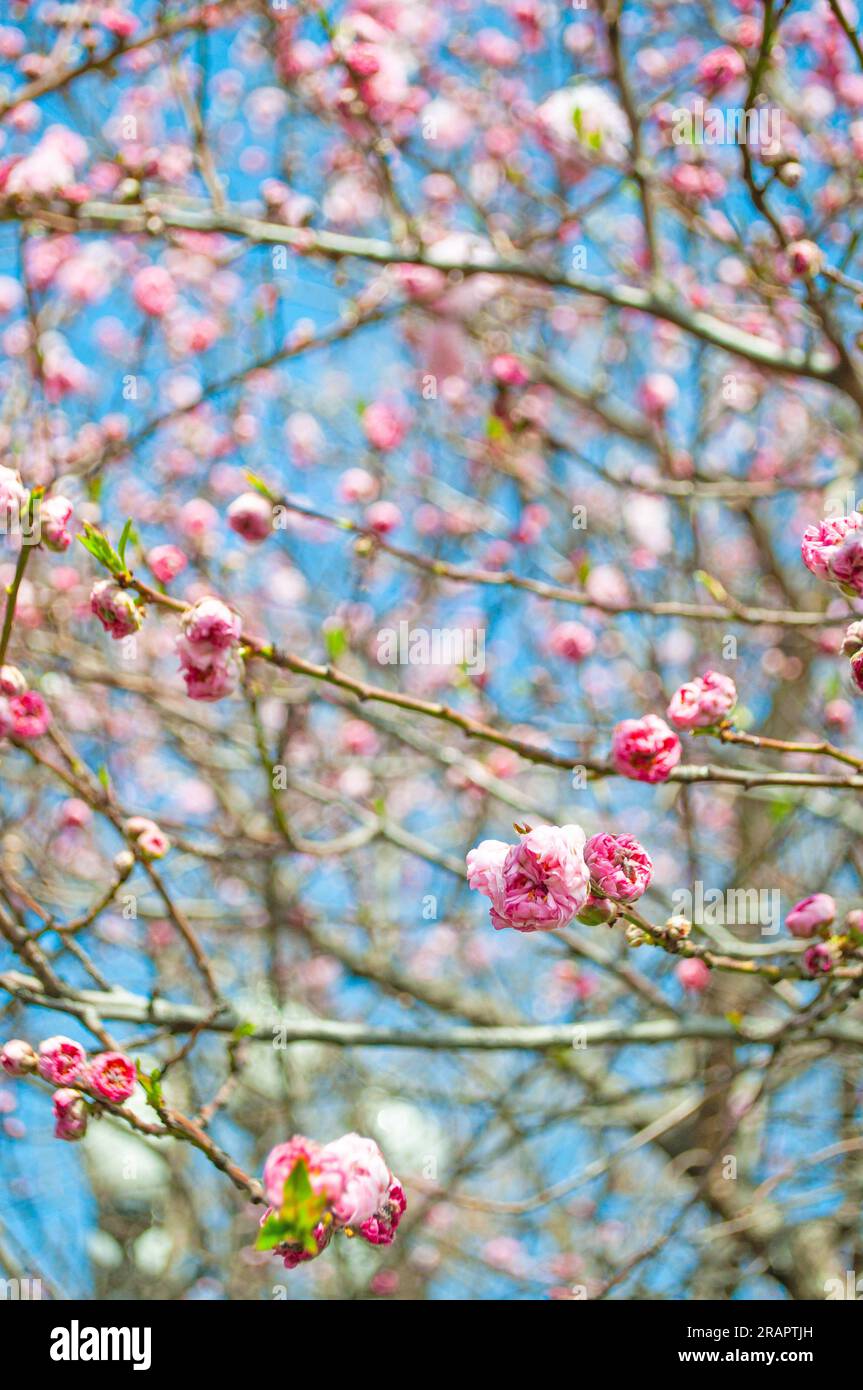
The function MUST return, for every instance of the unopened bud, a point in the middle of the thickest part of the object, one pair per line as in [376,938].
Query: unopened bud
[678,927]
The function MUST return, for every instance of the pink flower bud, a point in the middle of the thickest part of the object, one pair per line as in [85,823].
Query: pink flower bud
[55,514]
[596,911]
[620,868]
[818,959]
[12,681]
[853,639]
[70,1115]
[153,291]
[509,371]
[693,974]
[28,715]
[358,485]
[810,914]
[383,517]
[703,701]
[151,841]
[115,608]
[645,749]
[112,1076]
[804,258]
[17,1057]
[251,516]
[572,641]
[166,562]
[720,68]
[61,1061]
[384,427]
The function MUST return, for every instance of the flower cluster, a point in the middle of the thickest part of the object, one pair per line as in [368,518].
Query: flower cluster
[833,550]
[115,608]
[551,875]
[148,836]
[316,1190]
[816,916]
[109,1076]
[537,884]
[703,701]
[208,649]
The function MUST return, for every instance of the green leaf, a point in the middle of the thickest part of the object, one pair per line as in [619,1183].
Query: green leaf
[495,428]
[301,1211]
[260,486]
[151,1086]
[336,642]
[101,549]
[126,535]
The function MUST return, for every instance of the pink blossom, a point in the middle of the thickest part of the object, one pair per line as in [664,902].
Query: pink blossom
[112,1076]
[645,749]
[821,541]
[572,641]
[485,868]
[211,621]
[17,1057]
[620,868]
[541,883]
[166,562]
[384,427]
[198,518]
[508,370]
[721,68]
[845,564]
[210,672]
[693,974]
[61,1061]
[326,1172]
[702,701]
[115,608]
[380,1229]
[293,1255]
[657,393]
[29,715]
[366,1179]
[55,514]
[383,517]
[150,839]
[358,485]
[13,497]
[818,959]
[153,290]
[251,516]
[70,1115]
[811,914]
[804,258]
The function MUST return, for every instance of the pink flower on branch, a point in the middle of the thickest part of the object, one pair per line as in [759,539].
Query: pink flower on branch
[645,749]
[702,701]
[620,868]
[537,884]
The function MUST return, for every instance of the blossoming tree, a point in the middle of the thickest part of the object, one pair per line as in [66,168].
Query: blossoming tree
[432,648]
